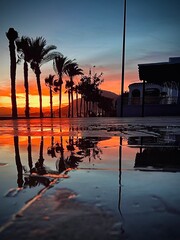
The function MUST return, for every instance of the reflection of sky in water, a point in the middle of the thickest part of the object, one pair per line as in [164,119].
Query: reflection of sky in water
[96,180]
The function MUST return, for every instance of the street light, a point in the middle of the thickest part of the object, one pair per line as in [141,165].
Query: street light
[123,59]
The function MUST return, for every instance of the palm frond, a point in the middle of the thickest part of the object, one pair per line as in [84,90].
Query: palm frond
[47,49]
[60,63]
[49,57]
[49,81]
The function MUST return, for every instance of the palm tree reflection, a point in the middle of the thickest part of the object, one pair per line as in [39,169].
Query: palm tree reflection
[29,148]
[18,162]
[39,165]
[14,191]
[88,147]
[51,150]
[60,163]
[67,158]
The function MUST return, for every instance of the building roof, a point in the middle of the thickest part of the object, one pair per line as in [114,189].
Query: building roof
[160,72]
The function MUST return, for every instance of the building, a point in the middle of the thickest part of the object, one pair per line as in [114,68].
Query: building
[159,92]
[166,93]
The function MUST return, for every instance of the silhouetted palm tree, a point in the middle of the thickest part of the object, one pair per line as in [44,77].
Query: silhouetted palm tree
[85,88]
[73,70]
[80,91]
[60,63]
[68,90]
[12,35]
[23,47]
[89,90]
[76,89]
[49,81]
[95,95]
[41,54]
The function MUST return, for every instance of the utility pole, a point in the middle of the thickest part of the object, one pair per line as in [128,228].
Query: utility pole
[123,59]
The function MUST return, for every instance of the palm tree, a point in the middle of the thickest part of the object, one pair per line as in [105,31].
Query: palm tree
[85,89]
[40,54]
[60,63]
[23,47]
[76,89]
[12,35]
[81,92]
[68,90]
[90,92]
[49,81]
[96,80]
[73,70]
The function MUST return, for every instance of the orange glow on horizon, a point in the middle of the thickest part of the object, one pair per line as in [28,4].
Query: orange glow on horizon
[112,82]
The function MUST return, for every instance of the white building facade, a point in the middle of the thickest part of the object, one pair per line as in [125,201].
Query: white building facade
[154,93]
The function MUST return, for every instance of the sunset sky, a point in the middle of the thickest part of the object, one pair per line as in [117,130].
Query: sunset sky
[90,32]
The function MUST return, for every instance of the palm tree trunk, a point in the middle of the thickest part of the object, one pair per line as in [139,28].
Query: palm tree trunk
[77,114]
[72,102]
[60,97]
[84,107]
[93,107]
[13,78]
[69,107]
[72,107]
[81,106]
[90,106]
[51,101]
[40,92]
[26,86]
[87,108]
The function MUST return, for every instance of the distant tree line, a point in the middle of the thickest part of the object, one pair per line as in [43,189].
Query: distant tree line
[34,53]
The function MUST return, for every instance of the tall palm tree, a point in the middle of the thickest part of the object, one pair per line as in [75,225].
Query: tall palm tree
[89,90]
[23,47]
[85,91]
[12,35]
[81,92]
[49,81]
[68,90]
[76,89]
[73,70]
[40,54]
[60,63]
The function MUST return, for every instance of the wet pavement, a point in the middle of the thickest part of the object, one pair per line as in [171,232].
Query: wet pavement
[106,178]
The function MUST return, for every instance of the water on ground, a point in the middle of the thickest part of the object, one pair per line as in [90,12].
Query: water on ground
[128,167]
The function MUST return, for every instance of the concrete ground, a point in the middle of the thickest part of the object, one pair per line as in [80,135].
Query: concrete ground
[61,216]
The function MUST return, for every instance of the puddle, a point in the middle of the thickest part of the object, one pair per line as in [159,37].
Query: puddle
[128,167]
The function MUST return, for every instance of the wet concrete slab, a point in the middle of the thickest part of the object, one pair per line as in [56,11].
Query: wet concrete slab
[61,216]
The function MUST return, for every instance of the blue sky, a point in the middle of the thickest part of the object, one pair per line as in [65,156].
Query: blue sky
[91,32]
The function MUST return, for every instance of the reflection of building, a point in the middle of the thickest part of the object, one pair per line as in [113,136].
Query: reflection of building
[159,92]
[152,153]
[159,157]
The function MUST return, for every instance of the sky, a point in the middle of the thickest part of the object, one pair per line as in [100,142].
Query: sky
[91,33]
